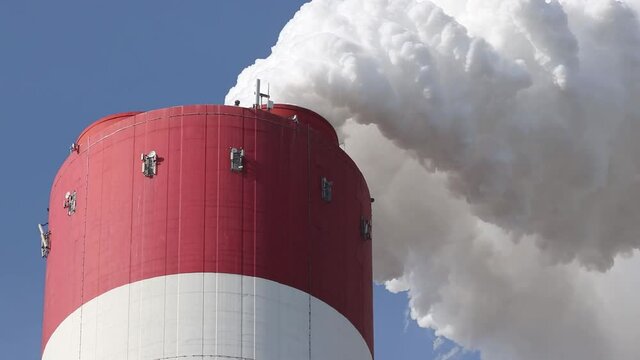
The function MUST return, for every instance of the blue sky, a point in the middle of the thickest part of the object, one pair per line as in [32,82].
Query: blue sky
[64,64]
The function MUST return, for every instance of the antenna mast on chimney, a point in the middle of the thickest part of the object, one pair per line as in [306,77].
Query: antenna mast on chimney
[260,96]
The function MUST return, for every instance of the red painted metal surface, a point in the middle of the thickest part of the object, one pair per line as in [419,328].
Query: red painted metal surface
[196,215]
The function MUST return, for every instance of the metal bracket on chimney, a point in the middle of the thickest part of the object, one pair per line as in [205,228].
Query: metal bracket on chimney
[327,193]
[365,228]
[70,202]
[149,164]
[237,159]
[45,242]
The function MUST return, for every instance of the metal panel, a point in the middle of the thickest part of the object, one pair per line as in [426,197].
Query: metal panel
[117,213]
[192,186]
[189,310]
[229,235]
[154,200]
[214,157]
[173,164]
[64,275]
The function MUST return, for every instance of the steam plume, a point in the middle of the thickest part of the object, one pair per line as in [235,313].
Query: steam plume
[499,137]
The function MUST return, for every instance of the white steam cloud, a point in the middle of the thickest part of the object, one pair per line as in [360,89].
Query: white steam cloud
[500,139]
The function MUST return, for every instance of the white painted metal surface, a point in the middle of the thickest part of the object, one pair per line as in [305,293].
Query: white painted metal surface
[206,316]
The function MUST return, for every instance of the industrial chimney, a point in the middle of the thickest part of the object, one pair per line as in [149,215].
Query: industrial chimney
[209,232]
